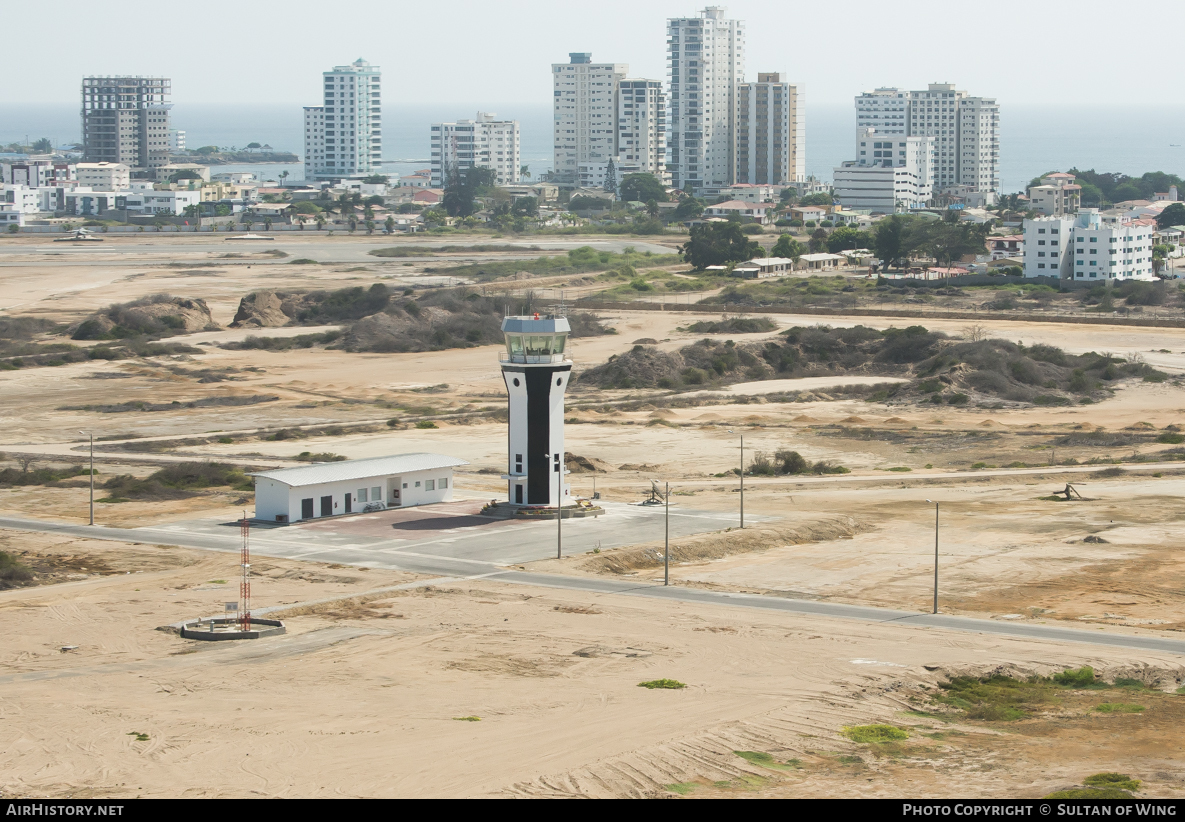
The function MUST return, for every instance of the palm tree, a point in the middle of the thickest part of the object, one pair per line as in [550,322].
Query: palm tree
[652,208]
[389,224]
[353,221]
[370,226]
[319,219]
[300,220]
[283,177]
[267,223]
[525,172]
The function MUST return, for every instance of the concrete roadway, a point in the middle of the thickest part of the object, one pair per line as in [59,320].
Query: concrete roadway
[451,556]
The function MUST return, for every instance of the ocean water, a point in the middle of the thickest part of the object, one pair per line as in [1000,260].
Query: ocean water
[1033,140]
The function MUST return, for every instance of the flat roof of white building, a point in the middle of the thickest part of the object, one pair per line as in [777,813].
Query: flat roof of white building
[359,469]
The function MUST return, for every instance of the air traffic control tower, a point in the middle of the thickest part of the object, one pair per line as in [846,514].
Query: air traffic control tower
[536,370]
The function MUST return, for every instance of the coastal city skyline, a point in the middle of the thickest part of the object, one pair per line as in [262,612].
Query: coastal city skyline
[812,45]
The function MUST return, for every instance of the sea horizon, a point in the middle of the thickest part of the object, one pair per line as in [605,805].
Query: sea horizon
[1033,139]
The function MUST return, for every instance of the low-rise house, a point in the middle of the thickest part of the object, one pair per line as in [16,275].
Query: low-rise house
[10,216]
[415,181]
[1006,246]
[756,212]
[24,199]
[428,196]
[104,176]
[763,268]
[164,203]
[820,262]
[808,213]
[90,203]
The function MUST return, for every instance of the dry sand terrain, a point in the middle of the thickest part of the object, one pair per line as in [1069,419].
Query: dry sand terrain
[360,698]
[368,697]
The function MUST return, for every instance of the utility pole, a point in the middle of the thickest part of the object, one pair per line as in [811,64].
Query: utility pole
[666,536]
[742,481]
[935,556]
[92,438]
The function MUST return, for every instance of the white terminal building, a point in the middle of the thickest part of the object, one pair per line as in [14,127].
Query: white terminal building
[485,142]
[352,486]
[536,369]
[343,136]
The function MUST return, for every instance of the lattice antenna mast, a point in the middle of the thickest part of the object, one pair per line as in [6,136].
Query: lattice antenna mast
[245,580]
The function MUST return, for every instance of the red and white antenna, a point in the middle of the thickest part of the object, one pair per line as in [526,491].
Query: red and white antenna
[245,580]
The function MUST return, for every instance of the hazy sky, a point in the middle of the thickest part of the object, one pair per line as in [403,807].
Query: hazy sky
[1020,51]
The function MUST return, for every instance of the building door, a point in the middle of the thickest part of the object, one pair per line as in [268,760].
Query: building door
[518,495]
[349,502]
[306,508]
[327,506]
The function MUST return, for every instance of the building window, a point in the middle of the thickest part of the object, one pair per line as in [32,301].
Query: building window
[429,485]
[444,482]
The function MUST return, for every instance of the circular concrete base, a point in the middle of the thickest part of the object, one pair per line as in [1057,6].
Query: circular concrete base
[221,629]
[504,510]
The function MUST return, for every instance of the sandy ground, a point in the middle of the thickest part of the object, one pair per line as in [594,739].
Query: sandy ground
[362,698]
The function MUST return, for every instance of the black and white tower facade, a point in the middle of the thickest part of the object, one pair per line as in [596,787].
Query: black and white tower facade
[536,370]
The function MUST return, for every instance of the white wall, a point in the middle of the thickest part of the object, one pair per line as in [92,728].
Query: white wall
[273,497]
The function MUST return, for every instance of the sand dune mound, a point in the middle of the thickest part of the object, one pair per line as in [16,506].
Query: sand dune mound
[159,314]
[853,419]
[896,421]
[804,418]
[986,424]
[587,465]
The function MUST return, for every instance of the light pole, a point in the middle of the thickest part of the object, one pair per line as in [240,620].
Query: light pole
[742,478]
[92,438]
[666,537]
[935,555]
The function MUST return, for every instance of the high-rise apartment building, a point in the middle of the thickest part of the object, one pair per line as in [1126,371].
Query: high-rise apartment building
[641,129]
[126,120]
[884,109]
[343,137]
[585,106]
[966,130]
[706,58]
[890,172]
[484,143]
[770,132]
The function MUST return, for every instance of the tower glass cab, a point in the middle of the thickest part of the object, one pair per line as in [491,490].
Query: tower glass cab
[536,369]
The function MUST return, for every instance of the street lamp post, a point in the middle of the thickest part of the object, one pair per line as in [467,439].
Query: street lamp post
[742,478]
[935,555]
[92,438]
[666,537]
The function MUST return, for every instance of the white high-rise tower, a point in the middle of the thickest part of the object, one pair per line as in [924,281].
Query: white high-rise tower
[343,138]
[585,108]
[706,57]
[536,370]
[966,131]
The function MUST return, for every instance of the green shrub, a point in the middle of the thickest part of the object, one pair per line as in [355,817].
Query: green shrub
[1118,708]
[1089,793]
[12,570]
[1112,780]
[875,733]
[426,424]
[1076,677]
[662,684]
